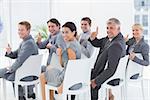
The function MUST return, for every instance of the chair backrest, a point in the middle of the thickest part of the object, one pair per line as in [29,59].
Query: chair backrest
[94,56]
[31,67]
[134,68]
[95,52]
[77,71]
[55,61]
[120,72]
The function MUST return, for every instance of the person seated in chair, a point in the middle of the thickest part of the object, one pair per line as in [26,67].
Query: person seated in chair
[86,47]
[27,48]
[112,48]
[50,43]
[136,44]
[55,76]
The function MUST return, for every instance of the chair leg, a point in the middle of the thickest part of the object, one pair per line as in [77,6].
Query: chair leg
[36,92]
[107,94]
[142,87]
[121,88]
[69,97]
[16,91]
[47,92]
[4,89]
[26,92]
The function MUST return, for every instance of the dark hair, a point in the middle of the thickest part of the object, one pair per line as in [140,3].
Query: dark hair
[26,24]
[87,19]
[71,26]
[55,21]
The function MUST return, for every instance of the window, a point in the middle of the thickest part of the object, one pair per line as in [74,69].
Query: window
[145,20]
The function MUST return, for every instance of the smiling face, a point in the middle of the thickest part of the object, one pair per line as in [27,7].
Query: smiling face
[85,26]
[53,28]
[67,34]
[112,30]
[23,31]
[137,31]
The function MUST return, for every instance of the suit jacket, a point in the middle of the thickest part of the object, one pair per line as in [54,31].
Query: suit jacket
[27,48]
[140,47]
[53,40]
[110,54]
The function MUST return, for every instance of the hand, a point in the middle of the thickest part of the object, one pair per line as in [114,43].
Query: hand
[39,38]
[132,56]
[94,34]
[59,51]
[126,38]
[8,49]
[93,83]
[49,45]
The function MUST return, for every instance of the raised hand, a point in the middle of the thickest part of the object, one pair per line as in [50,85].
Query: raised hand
[126,38]
[94,34]
[39,37]
[8,49]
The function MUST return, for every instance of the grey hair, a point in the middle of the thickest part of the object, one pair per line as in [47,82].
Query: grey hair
[113,21]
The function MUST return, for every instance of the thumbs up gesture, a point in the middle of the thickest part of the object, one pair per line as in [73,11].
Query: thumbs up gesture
[126,38]
[94,34]
[39,37]
[8,49]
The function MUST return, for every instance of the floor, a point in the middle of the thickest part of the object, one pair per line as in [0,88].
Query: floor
[134,92]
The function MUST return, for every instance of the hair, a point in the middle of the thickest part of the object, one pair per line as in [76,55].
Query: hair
[55,21]
[87,19]
[71,26]
[138,25]
[26,24]
[113,21]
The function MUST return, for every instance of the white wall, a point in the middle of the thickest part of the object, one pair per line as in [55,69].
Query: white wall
[98,10]
[37,12]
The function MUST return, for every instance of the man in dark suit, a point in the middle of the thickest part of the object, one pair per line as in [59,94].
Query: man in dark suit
[112,49]
[27,48]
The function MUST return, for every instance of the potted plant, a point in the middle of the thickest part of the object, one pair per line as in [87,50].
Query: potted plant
[42,29]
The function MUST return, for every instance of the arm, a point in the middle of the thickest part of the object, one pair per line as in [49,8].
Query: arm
[12,55]
[145,54]
[113,60]
[42,45]
[87,49]
[97,42]
[25,51]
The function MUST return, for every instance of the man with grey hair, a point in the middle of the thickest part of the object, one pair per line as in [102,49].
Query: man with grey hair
[112,48]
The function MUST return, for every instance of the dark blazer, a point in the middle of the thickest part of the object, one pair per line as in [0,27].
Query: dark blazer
[140,47]
[110,54]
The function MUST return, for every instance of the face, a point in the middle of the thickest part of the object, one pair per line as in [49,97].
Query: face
[137,32]
[112,30]
[22,31]
[85,26]
[53,28]
[68,35]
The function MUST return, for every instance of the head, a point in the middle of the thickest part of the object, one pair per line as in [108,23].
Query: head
[53,26]
[85,24]
[69,31]
[113,27]
[137,31]
[24,28]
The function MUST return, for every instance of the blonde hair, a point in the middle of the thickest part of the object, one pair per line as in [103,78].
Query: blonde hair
[138,26]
